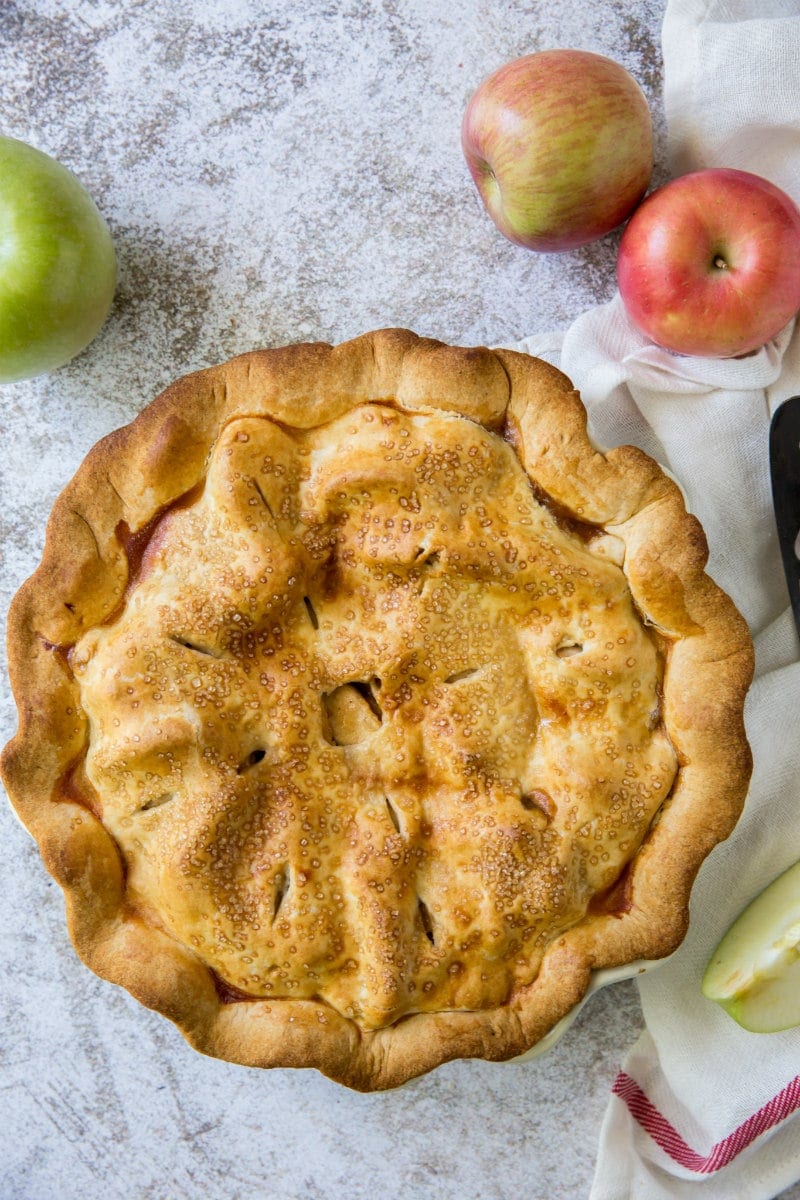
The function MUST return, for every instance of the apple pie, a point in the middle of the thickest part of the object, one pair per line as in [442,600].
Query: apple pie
[366,708]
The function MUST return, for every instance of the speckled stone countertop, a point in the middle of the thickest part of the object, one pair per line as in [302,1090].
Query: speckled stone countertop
[271,173]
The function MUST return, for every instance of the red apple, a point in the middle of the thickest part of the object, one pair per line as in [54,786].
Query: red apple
[710,263]
[560,146]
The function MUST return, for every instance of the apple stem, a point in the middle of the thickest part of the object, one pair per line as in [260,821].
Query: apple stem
[719,262]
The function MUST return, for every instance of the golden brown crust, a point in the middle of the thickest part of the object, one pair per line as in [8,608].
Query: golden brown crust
[493,693]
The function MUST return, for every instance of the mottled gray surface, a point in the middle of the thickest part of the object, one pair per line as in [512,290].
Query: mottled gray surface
[270,174]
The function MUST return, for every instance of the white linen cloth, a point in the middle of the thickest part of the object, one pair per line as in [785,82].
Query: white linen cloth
[717,1108]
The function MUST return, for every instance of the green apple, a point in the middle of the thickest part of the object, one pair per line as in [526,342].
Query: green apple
[57,263]
[754,972]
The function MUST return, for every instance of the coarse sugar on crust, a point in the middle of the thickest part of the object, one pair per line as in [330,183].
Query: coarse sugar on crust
[366,708]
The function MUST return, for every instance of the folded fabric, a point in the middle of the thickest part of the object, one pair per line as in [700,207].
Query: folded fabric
[695,1066]
[698,1097]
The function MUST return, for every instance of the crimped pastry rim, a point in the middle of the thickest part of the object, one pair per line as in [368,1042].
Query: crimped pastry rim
[710,670]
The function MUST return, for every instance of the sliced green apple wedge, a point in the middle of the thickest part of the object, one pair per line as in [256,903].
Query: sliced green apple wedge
[754,973]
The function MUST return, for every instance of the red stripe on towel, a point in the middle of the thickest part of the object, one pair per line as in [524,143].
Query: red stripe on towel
[667,1137]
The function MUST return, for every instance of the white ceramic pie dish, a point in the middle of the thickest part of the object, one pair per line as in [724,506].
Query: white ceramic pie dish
[435,862]
[600,979]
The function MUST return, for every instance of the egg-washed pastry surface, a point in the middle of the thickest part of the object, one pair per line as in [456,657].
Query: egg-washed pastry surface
[366,708]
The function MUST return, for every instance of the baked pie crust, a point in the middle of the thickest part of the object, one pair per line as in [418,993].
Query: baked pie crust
[366,708]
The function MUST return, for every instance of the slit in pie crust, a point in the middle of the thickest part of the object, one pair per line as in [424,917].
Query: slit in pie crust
[366,708]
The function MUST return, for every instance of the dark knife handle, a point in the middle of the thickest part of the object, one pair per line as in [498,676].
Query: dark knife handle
[784,456]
